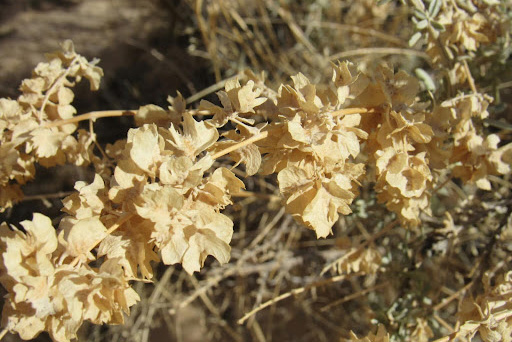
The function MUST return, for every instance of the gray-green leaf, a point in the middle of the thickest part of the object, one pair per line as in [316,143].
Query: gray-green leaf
[414,39]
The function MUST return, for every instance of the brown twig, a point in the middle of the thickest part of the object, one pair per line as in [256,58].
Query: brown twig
[375,236]
[343,27]
[379,51]
[471,81]
[232,269]
[295,292]
[207,91]
[353,296]
[207,35]
[59,194]
[453,296]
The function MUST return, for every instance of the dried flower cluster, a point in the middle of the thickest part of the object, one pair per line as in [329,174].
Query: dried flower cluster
[46,293]
[159,194]
[310,150]
[26,134]
[490,314]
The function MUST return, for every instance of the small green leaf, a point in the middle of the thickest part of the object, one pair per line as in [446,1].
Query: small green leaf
[418,4]
[422,24]
[434,7]
[438,26]
[426,79]
[414,39]
[419,14]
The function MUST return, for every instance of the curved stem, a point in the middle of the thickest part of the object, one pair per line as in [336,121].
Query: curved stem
[348,111]
[91,115]
[241,144]
[52,89]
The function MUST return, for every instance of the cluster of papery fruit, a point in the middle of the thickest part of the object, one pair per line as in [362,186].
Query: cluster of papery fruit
[27,135]
[162,198]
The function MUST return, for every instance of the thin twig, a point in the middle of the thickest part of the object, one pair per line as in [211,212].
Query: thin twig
[206,34]
[295,292]
[353,296]
[471,81]
[241,144]
[213,309]
[209,90]
[443,323]
[267,229]
[375,236]
[379,51]
[57,82]
[337,26]
[95,141]
[270,197]
[90,116]
[144,320]
[3,332]
[296,30]
[233,269]
[348,111]
[167,61]
[232,18]
[454,295]
[59,194]
[504,85]
[500,181]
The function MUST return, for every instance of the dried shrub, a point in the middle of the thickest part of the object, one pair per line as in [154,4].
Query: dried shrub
[432,255]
